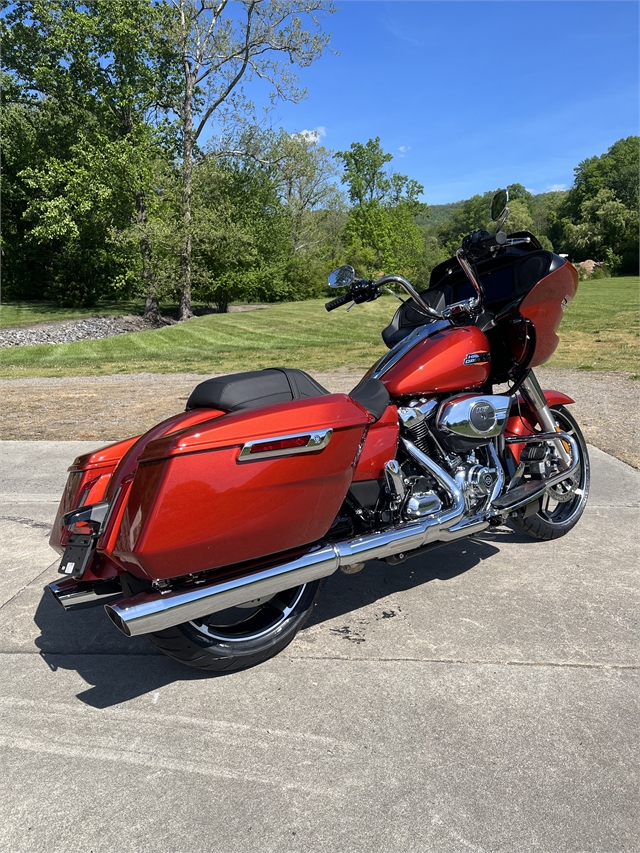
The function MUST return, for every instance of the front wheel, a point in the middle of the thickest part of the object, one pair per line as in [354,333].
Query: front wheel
[561,506]
[243,636]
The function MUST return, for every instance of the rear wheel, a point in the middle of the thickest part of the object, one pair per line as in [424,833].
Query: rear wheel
[243,636]
[562,506]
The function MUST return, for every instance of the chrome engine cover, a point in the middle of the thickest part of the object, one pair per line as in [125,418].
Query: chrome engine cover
[473,416]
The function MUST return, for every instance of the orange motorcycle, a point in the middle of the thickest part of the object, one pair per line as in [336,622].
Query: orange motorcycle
[212,532]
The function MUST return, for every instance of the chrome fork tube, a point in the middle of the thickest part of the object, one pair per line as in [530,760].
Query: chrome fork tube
[499,483]
[532,392]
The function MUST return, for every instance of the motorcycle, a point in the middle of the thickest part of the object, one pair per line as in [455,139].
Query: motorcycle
[213,532]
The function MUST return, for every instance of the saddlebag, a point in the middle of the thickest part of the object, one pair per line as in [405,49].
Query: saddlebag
[237,487]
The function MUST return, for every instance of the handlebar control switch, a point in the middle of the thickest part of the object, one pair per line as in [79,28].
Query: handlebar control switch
[458,314]
[364,290]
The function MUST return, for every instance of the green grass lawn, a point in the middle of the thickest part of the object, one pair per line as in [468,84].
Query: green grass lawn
[297,334]
[599,331]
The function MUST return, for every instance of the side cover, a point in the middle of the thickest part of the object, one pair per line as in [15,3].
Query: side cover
[238,487]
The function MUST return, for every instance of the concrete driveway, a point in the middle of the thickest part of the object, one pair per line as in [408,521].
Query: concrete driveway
[482,698]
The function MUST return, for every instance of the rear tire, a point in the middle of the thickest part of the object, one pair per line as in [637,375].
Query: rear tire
[240,637]
[562,506]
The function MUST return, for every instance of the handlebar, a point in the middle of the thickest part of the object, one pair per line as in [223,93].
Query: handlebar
[493,241]
[474,247]
[338,301]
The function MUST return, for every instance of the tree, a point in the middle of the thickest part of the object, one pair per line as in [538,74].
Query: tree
[607,230]
[303,172]
[473,214]
[108,66]
[364,172]
[381,232]
[599,217]
[221,44]
[241,233]
[616,170]
[28,135]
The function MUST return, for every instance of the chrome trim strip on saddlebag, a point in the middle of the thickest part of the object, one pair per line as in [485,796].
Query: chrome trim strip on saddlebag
[315,440]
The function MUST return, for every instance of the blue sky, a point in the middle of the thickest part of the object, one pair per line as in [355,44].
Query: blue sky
[470,96]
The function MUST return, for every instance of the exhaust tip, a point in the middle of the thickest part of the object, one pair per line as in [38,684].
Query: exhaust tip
[55,593]
[117,620]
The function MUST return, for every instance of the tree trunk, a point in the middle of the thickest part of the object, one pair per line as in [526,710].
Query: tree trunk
[187,173]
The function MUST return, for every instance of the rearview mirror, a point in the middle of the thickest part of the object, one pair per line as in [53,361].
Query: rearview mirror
[342,276]
[499,204]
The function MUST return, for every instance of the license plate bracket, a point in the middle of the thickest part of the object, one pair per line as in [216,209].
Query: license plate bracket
[77,555]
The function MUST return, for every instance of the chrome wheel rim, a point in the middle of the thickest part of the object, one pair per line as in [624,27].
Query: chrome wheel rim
[250,621]
[562,502]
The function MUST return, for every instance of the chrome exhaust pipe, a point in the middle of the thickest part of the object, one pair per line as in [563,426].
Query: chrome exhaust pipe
[71,593]
[153,610]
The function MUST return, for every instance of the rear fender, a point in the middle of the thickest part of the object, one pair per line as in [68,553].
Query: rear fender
[524,421]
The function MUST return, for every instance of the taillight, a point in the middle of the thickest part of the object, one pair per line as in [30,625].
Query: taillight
[115,510]
[84,494]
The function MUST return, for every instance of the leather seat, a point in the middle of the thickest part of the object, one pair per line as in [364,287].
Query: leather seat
[256,388]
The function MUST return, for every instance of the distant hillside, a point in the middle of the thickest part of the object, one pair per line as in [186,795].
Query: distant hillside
[438,213]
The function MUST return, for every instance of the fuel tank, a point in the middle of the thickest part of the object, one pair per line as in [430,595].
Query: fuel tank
[451,359]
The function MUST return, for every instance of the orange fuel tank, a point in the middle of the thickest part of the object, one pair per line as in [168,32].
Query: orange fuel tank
[449,360]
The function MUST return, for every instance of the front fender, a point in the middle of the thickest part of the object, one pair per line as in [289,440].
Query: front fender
[524,421]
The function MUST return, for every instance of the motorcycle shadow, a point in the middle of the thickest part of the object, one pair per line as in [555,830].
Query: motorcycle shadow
[343,594]
[117,668]
[120,669]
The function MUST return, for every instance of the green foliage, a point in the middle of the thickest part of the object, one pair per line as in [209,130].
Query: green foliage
[106,193]
[89,77]
[240,234]
[599,218]
[381,234]
[606,230]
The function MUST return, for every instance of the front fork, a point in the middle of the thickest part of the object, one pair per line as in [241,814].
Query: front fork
[532,392]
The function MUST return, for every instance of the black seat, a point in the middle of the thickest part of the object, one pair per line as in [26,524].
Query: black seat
[254,389]
[409,316]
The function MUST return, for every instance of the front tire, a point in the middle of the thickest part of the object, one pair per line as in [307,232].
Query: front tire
[562,506]
[240,637]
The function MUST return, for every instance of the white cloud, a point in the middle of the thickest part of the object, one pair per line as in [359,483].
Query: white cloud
[403,149]
[556,188]
[314,135]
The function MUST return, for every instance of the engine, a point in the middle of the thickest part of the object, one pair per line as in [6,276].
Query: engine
[457,433]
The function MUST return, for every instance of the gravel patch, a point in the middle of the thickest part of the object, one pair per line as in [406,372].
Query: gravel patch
[91,328]
[67,331]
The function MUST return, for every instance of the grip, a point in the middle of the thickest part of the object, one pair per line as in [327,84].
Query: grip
[337,302]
